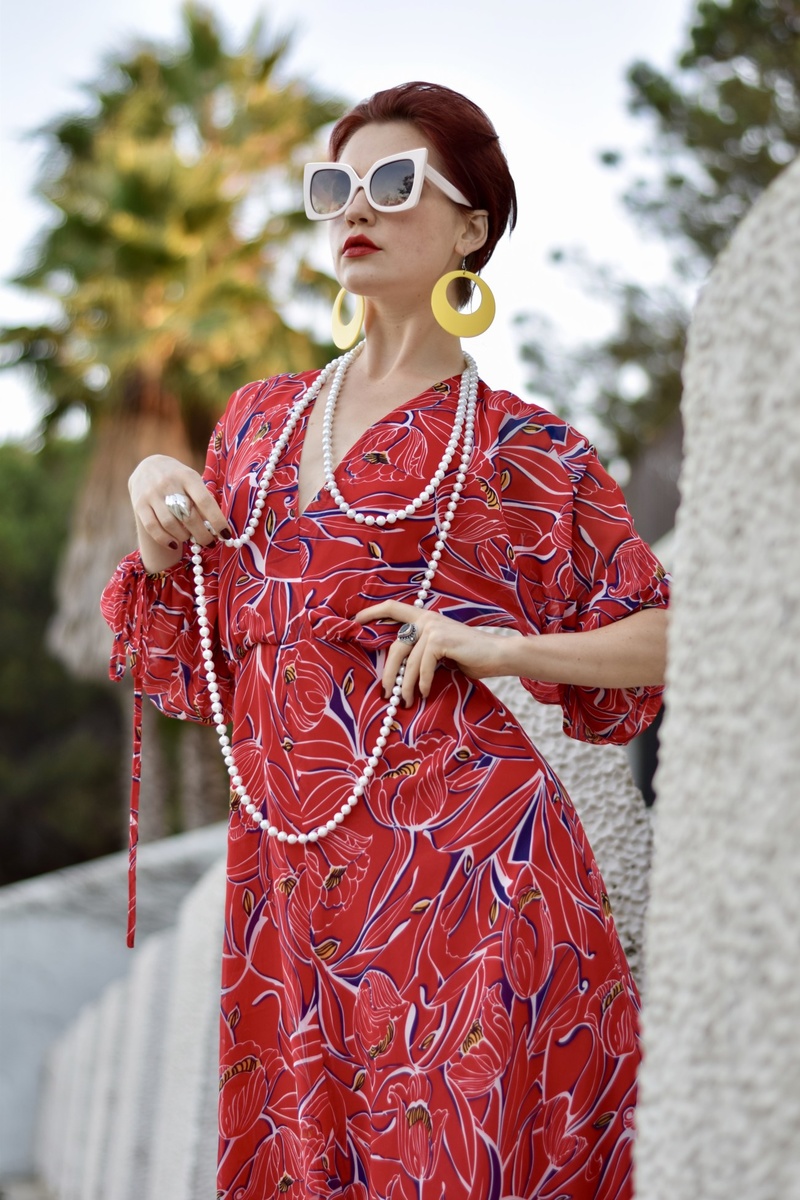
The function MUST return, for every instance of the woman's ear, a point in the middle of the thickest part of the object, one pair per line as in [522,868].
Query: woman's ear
[475,232]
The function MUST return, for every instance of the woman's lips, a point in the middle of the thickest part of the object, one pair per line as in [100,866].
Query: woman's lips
[358,247]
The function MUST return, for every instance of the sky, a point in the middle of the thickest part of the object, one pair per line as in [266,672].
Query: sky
[551,76]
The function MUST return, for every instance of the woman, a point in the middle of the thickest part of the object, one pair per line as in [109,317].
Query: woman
[423,992]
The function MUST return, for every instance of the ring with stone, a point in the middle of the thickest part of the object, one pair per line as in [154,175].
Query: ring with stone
[408,634]
[179,505]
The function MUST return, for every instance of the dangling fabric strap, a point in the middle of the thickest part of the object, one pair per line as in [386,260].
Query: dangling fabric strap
[133,825]
[126,646]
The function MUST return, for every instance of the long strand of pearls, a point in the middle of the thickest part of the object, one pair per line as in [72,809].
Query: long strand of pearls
[408,510]
[465,423]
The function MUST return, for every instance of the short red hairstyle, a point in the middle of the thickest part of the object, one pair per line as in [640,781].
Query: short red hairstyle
[465,140]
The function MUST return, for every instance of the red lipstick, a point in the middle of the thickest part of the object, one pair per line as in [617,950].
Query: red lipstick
[356,247]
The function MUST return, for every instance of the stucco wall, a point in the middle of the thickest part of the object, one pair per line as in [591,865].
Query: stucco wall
[720,1096]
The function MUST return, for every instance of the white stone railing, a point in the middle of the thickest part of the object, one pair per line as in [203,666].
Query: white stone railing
[62,942]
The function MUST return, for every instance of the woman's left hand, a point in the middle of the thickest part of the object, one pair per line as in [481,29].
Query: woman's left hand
[627,653]
[477,653]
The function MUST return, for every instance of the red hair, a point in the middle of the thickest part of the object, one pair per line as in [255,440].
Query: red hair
[466,142]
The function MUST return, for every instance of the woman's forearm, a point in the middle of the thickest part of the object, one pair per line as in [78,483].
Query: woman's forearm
[630,652]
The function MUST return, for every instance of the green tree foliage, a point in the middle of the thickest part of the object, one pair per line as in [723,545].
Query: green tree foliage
[174,243]
[172,218]
[723,124]
[60,741]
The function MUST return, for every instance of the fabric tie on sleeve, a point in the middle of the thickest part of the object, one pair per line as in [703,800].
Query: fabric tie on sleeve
[126,647]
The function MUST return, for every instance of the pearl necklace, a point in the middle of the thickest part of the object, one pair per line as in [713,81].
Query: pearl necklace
[464,424]
[398,514]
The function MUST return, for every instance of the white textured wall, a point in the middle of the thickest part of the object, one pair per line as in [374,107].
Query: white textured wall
[720,1110]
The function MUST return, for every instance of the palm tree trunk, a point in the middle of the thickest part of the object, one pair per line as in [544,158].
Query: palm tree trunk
[154,786]
[103,531]
[153,822]
[203,782]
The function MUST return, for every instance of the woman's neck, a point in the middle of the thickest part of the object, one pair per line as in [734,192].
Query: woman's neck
[412,348]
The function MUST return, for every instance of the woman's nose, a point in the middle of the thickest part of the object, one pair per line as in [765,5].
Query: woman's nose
[359,207]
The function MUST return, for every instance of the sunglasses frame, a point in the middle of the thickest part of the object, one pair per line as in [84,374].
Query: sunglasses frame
[422,171]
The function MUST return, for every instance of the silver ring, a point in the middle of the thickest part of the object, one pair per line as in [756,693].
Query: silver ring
[179,505]
[408,634]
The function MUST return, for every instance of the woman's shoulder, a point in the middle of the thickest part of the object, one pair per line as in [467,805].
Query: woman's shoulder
[260,395]
[526,424]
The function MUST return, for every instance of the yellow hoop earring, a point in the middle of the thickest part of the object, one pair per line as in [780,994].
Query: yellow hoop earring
[458,323]
[345,336]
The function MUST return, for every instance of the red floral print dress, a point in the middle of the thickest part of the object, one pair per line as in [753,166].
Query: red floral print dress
[432,1002]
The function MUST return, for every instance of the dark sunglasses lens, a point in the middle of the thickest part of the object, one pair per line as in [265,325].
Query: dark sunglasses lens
[330,191]
[391,184]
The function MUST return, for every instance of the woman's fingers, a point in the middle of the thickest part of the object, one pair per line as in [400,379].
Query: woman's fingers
[421,657]
[473,651]
[159,477]
[423,661]
[396,655]
[389,610]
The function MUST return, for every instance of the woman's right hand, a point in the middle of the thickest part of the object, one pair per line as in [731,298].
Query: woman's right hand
[160,533]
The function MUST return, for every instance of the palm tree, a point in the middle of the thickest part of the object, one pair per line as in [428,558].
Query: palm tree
[177,230]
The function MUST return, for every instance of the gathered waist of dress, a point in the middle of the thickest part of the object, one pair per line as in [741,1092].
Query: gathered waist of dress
[255,628]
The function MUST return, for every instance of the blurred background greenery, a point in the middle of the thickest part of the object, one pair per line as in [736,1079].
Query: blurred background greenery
[178,226]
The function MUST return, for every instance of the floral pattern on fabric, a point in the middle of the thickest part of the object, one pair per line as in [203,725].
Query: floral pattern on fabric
[432,1001]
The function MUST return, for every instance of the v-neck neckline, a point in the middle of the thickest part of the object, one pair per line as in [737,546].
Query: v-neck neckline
[389,417]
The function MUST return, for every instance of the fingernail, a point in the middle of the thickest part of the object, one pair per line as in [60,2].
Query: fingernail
[226,533]
[173,545]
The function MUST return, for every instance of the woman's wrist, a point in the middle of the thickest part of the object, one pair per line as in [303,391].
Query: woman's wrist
[155,557]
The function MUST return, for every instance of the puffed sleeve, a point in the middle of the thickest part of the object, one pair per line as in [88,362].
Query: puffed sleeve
[155,626]
[580,565]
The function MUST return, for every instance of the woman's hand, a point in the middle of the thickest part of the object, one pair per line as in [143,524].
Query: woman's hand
[474,651]
[627,653]
[160,533]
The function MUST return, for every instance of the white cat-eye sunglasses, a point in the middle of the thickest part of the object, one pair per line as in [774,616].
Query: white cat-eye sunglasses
[391,184]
